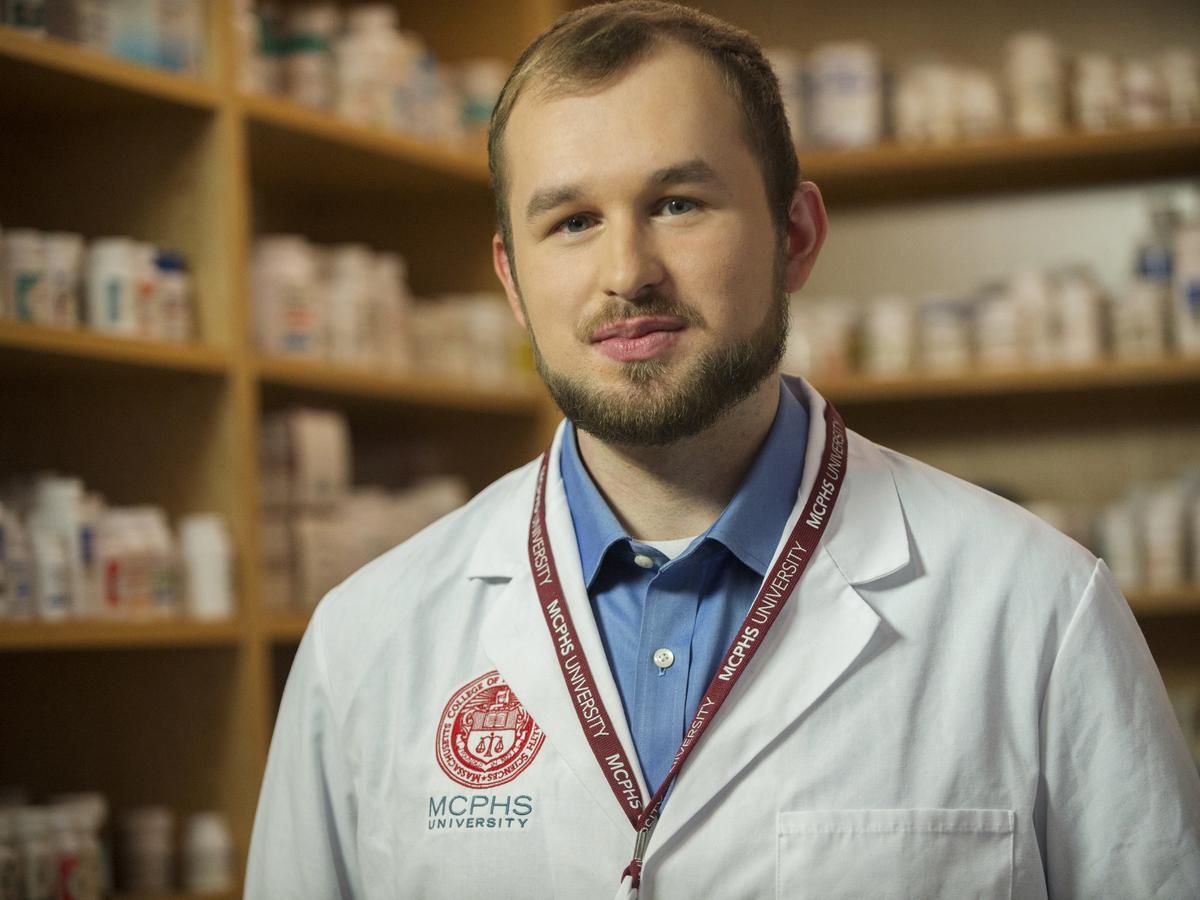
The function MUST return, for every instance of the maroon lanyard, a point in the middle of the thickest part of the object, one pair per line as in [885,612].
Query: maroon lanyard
[597,724]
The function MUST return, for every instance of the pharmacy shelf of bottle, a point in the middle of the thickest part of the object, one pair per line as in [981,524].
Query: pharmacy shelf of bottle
[894,170]
[85,348]
[82,634]
[52,71]
[985,383]
[289,142]
[519,396]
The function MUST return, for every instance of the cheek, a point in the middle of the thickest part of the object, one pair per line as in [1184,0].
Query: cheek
[728,276]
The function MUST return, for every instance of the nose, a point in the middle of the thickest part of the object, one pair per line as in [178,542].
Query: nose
[634,267]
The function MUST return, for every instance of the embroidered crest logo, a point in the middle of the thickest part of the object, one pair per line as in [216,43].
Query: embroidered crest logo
[486,737]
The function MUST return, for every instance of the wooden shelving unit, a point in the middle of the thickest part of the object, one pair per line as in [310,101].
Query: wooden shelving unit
[197,164]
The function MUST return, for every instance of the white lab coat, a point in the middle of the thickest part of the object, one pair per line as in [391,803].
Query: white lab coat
[955,703]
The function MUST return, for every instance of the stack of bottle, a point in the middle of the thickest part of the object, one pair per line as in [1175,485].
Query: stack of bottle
[167,34]
[317,527]
[65,554]
[1037,318]
[63,849]
[115,285]
[843,95]
[349,305]
[1150,537]
[360,65]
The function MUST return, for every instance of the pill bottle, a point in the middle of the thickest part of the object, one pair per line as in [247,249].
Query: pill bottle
[89,811]
[1144,93]
[17,599]
[944,335]
[112,286]
[788,66]
[1096,92]
[1180,70]
[847,94]
[51,570]
[208,566]
[391,290]
[889,336]
[174,297]
[980,104]
[1119,541]
[64,274]
[37,858]
[11,874]
[58,502]
[286,297]
[1186,290]
[146,850]
[25,275]
[179,30]
[1033,292]
[1139,320]
[65,851]
[1033,72]
[1079,305]
[999,340]
[349,296]
[369,58]
[1164,520]
[161,559]
[207,854]
[146,304]
[938,84]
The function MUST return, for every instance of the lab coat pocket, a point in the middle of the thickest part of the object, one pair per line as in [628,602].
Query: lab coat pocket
[895,854]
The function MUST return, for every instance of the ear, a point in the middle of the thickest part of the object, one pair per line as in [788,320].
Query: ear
[503,266]
[807,225]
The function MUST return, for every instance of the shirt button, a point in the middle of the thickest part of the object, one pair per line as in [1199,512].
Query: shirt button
[646,562]
[664,658]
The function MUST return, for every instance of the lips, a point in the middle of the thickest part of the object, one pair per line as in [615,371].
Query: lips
[639,338]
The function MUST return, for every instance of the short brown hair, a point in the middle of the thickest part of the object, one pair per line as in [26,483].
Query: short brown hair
[591,45]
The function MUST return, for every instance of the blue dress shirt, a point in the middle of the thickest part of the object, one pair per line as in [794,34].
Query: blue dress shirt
[691,605]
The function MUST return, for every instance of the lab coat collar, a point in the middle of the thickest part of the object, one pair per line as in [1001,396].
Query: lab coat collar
[825,626]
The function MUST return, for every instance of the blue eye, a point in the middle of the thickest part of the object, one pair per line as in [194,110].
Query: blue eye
[677,206]
[575,224]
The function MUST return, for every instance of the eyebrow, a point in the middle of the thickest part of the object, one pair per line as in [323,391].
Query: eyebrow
[694,171]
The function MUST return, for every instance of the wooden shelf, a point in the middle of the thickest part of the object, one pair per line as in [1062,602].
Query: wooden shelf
[1183,601]
[519,398]
[855,389]
[25,346]
[896,172]
[291,145]
[65,78]
[103,635]
[287,626]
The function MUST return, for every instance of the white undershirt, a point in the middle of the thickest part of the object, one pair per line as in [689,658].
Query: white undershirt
[670,549]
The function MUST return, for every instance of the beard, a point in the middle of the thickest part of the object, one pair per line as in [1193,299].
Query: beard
[655,408]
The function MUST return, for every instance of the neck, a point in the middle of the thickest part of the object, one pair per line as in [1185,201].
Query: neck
[678,491]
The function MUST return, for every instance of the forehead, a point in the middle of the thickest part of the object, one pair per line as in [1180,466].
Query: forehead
[671,106]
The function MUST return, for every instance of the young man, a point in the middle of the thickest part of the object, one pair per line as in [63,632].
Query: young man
[714,646]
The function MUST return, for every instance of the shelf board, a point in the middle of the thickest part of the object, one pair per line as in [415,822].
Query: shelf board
[1184,601]
[26,346]
[521,398]
[102,635]
[899,172]
[47,74]
[287,626]
[855,389]
[292,146]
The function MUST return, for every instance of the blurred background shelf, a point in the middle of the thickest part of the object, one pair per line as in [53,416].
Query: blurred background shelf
[896,172]
[76,79]
[1184,601]
[28,346]
[290,144]
[103,635]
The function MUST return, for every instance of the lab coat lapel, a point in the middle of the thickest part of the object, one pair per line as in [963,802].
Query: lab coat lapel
[517,641]
[820,633]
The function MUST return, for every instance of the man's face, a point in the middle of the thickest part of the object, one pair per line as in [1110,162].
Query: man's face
[647,266]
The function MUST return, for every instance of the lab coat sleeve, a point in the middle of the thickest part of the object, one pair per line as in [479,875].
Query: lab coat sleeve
[1119,799]
[303,844]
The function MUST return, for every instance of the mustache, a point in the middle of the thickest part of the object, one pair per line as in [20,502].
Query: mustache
[651,305]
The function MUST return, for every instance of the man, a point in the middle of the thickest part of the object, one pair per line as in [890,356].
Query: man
[714,646]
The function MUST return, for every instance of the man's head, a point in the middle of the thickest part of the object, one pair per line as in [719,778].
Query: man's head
[646,190]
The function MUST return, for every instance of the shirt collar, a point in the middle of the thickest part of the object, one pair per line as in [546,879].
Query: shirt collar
[749,527]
